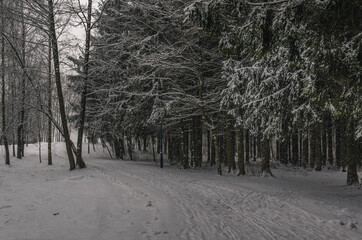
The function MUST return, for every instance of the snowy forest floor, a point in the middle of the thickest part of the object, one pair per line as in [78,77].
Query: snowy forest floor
[122,200]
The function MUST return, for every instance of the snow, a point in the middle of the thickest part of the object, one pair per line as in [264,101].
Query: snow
[114,199]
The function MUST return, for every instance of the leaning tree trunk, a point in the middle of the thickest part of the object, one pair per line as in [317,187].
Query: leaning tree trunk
[83,101]
[7,157]
[59,85]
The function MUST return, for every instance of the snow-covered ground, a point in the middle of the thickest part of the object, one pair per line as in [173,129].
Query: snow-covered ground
[120,200]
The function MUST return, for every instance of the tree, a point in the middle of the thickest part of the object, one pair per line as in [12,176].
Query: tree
[289,62]
[50,87]
[53,36]
[4,130]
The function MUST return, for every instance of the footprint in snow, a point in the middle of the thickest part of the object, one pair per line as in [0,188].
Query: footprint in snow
[76,178]
[3,207]
[352,225]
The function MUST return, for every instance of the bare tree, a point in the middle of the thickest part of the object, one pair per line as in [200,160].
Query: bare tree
[53,36]
[7,157]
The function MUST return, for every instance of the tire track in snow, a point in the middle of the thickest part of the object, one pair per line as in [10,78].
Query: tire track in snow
[263,210]
[217,211]
[215,224]
[197,223]
[152,226]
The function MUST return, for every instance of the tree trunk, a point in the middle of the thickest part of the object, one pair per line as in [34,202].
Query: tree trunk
[329,140]
[153,148]
[185,147]
[247,150]
[217,155]
[265,165]
[123,151]
[13,87]
[83,100]
[199,143]
[212,157]
[259,145]
[317,147]
[229,151]
[254,148]
[117,147]
[39,140]
[208,146]
[20,130]
[7,156]
[352,176]
[241,163]
[304,150]
[50,160]
[295,148]
[284,151]
[193,143]
[342,143]
[59,85]
[335,160]
[145,143]
[130,148]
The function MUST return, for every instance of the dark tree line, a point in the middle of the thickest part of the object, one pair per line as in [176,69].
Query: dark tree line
[266,80]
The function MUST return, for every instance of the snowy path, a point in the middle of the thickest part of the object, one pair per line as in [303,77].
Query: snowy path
[213,207]
[115,200]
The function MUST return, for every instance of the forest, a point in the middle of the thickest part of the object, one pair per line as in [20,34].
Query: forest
[220,83]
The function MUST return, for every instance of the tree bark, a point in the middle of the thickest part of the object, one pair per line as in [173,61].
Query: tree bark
[241,163]
[153,148]
[304,150]
[59,85]
[334,144]
[185,147]
[145,143]
[212,157]
[217,155]
[7,156]
[318,147]
[20,130]
[50,160]
[39,140]
[83,101]
[295,148]
[265,165]
[352,176]
[229,151]
[247,149]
